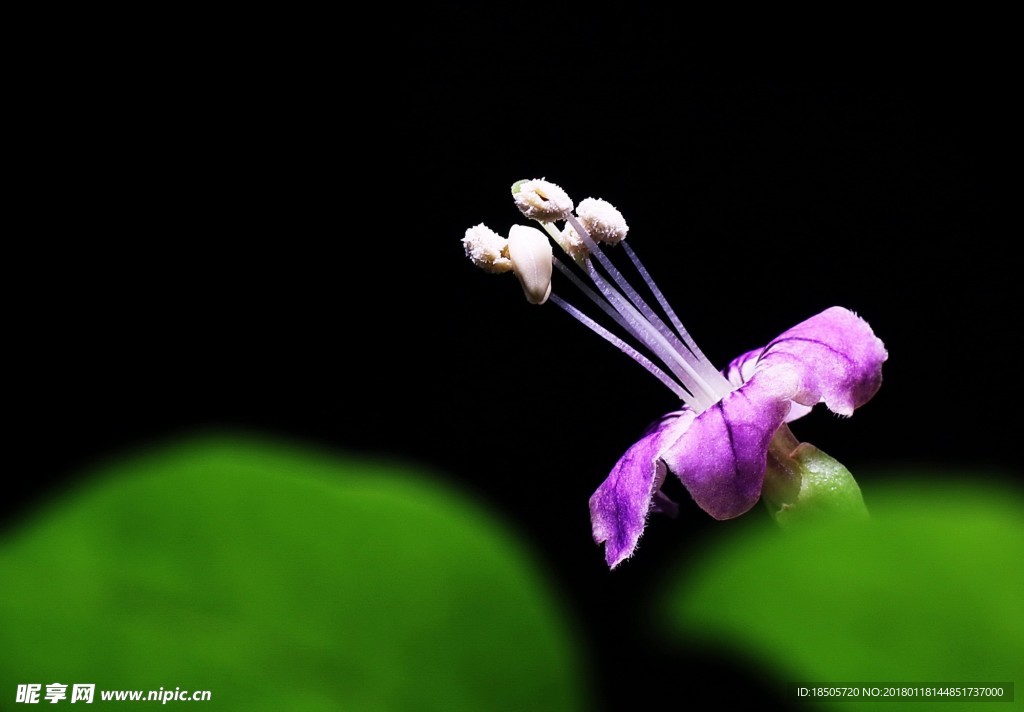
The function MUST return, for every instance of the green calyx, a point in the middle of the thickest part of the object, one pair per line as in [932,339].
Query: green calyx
[809,485]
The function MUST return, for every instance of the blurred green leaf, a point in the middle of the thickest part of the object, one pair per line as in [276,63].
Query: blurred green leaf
[931,589]
[280,579]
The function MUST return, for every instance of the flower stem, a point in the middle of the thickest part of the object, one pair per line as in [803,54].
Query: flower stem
[782,476]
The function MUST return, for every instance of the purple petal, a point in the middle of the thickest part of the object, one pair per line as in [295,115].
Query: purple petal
[721,457]
[741,368]
[619,507]
[835,355]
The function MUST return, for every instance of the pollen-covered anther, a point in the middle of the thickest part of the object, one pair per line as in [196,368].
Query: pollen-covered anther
[602,220]
[571,241]
[541,200]
[487,249]
[531,256]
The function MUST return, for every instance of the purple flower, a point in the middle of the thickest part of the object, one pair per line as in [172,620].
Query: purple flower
[720,454]
[732,425]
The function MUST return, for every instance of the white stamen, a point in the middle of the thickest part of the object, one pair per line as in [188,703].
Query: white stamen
[707,370]
[487,249]
[527,253]
[628,326]
[572,243]
[623,346]
[684,358]
[656,340]
[531,256]
[602,220]
[541,200]
[634,325]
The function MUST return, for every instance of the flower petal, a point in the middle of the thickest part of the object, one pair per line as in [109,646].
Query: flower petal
[619,507]
[741,368]
[721,457]
[836,356]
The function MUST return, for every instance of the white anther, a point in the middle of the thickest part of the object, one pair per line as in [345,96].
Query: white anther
[541,200]
[602,220]
[572,242]
[487,249]
[531,256]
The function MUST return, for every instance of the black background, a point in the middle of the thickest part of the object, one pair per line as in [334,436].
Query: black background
[254,222]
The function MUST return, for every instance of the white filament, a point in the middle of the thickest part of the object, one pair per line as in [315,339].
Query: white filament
[701,383]
[622,345]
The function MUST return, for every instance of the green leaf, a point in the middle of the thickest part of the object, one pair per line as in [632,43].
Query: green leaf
[280,579]
[930,589]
